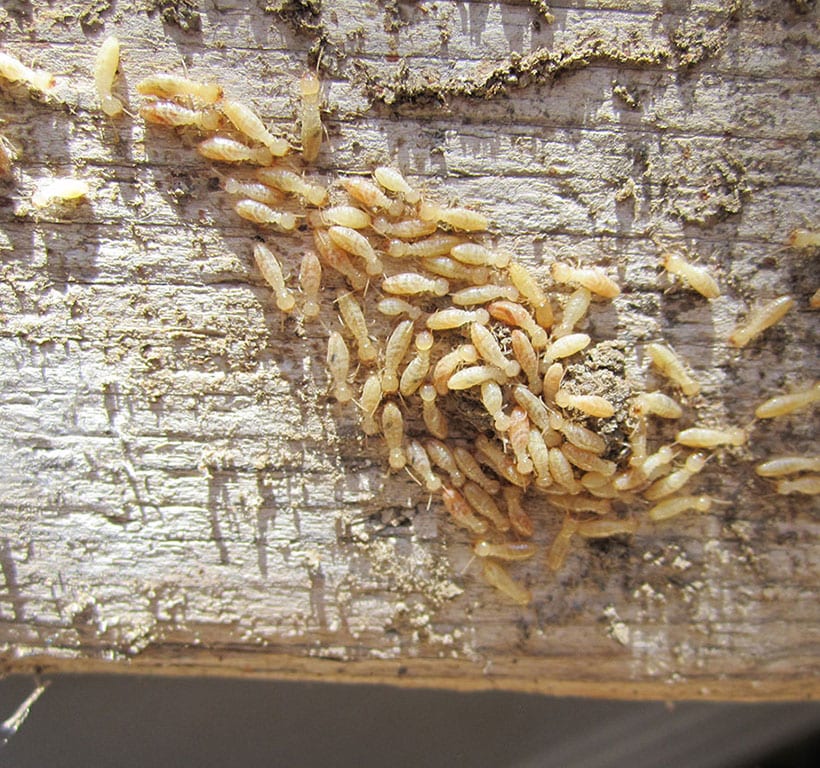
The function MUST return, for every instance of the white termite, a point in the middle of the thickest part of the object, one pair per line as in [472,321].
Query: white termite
[253,190]
[667,361]
[594,280]
[310,115]
[168,86]
[15,71]
[441,455]
[481,294]
[369,403]
[436,245]
[483,503]
[338,365]
[760,319]
[393,430]
[367,193]
[462,513]
[669,508]
[397,345]
[416,370]
[516,315]
[478,256]
[310,281]
[446,319]
[393,306]
[392,180]
[475,376]
[413,284]
[434,419]
[353,317]
[227,150]
[247,122]
[698,278]
[702,437]
[458,218]
[782,405]
[493,399]
[294,184]
[529,288]
[574,310]
[264,215]
[420,462]
[490,350]
[566,346]
[809,485]
[449,363]
[272,272]
[472,470]
[355,243]
[341,215]
[496,576]
[777,466]
[590,405]
[527,359]
[105,70]
[58,191]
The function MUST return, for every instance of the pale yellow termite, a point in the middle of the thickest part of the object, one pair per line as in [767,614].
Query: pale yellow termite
[416,370]
[492,455]
[393,431]
[553,377]
[444,266]
[575,308]
[603,529]
[483,503]
[475,376]
[587,460]
[462,512]
[782,405]
[507,550]
[338,365]
[169,86]
[458,218]
[392,306]
[567,346]
[392,180]
[533,405]
[369,403]
[446,319]
[15,71]
[561,471]
[493,399]
[760,319]
[518,433]
[293,184]
[409,229]
[672,366]
[481,294]
[272,272]
[674,481]
[808,485]
[413,284]
[803,238]
[420,462]
[594,280]
[225,150]
[341,215]
[527,358]
[527,285]
[656,404]
[478,256]
[449,363]
[489,349]
[540,457]
[175,115]
[578,435]
[58,191]
[671,507]
[105,70]
[247,122]
[519,518]
[353,317]
[496,576]
[397,345]
[434,419]
[656,463]
[515,315]
[253,190]
[366,192]
[702,437]
[560,546]
[580,503]
[337,259]
[777,466]
[310,115]
[441,455]
[591,405]
[436,245]
[698,278]
[264,215]
[472,470]
[357,244]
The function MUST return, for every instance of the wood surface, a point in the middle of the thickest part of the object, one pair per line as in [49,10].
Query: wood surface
[178,493]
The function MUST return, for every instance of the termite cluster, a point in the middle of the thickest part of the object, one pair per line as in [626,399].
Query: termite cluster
[454,351]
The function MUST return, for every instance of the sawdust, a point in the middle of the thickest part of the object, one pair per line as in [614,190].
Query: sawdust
[181,13]
[703,36]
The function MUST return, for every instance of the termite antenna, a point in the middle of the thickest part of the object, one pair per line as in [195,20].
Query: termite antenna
[412,476]
[466,567]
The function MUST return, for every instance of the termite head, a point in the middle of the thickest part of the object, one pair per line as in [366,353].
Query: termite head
[309,84]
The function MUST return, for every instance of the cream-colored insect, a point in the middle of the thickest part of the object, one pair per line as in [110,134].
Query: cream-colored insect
[527,285]
[434,419]
[413,284]
[105,70]
[264,215]
[475,376]
[483,503]
[587,460]
[15,71]
[226,150]
[561,544]
[527,358]
[496,576]
[519,437]
[490,453]
[478,256]
[338,365]
[561,471]
[702,437]
[458,218]
[567,346]
[578,435]
[416,370]
[594,280]
[538,451]
[462,513]
[591,405]
[369,403]
[393,430]
[175,115]
[272,272]
[436,245]
[808,485]
[553,377]
[310,281]
[672,507]
[481,294]
[508,550]
[782,405]
[441,455]
[311,118]
[575,308]
[801,238]
[169,86]
[603,529]
[291,182]
[673,368]
[656,404]
[580,503]
[515,315]
[59,191]
[760,319]
[247,122]
[445,319]
[536,409]
[406,229]
[489,349]
[337,259]
[253,190]
[698,278]
[357,244]
[393,181]
[341,215]
[472,470]
[366,192]
[674,481]
[493,399]
[444,266]
[420,462]
[777,466]
[397,345]
[393,306]
[449,363]
[353,317]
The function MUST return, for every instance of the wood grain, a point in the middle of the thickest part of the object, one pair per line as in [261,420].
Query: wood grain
[178,493]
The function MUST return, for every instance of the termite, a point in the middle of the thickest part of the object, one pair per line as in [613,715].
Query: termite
[397,345]
[175,115]
[591,405]
[760,319]
[533,405]
[369,403]
[311,119]
[515,315]
[393,181]
[574,310]
[436,245]
[478,256]
[553,377]
[357,244]
[225,150]
[656,463]
[677,504]
[409,229]
[462,512]
[247,122]
[475,376]
[532,292]
[527,359]
[698,278]
[434,419]
[674,481]
[105,70]
[560,546]
[416,370]
[496,576]
[413,284]
[444,266]
[587,460]
[420,461]
[489,349]
[566,346]
[803,238]
[808,485]
[58,191]
[293,184]
[262,214]
[458,218]
[778,466]
[441,455]
[672,366]
[519,436]
[578,435]
[539,454]
[253,190]
[491,455]
[701,437]
[580,503]
[393,430]
[366,192]
[561,471]
[483,503]
[353,318]
[481,294]
[168,86]
[656,404]
[508,550]
[472,470]
[592,279]
[15,71]
[338,364]
[493,399]
[782,405]
[603,529]
[393,307]
[310,281]
[342,215]
[446,319]
[337,259]
[272,272]
[447,365]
